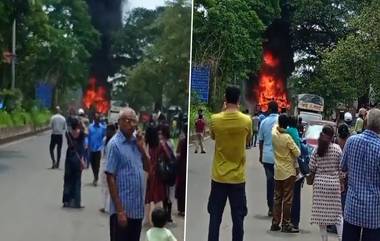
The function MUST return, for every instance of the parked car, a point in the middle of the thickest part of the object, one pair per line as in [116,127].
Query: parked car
[313,131]
[308,117]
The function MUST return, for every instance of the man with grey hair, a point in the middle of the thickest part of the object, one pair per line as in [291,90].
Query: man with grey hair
[125,178]
[361,162]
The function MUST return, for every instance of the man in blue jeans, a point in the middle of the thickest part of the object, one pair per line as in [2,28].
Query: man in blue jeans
[231,130]
[266,151]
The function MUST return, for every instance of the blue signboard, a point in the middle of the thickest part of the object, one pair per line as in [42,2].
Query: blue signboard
[44,94]
[200,78]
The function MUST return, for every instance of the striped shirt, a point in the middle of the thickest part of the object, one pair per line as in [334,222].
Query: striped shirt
[361,161]
[124,161]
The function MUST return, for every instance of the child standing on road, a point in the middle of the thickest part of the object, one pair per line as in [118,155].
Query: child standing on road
[158,232]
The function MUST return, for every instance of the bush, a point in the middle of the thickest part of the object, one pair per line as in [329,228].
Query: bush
[20,117]
[194,114]
[40,117]
[12,99]
[5,119]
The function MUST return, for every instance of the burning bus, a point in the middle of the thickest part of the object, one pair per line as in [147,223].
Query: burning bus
[271,84]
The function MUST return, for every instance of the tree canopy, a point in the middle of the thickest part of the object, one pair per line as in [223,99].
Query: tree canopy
[157,56]
[228,36]
[55,39]
[336,44]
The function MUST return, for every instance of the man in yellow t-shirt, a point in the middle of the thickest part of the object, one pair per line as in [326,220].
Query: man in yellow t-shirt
[285,152]
[231,131]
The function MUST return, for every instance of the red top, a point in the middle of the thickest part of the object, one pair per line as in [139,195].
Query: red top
[200,126]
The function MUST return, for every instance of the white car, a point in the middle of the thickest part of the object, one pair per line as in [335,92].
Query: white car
[113,113]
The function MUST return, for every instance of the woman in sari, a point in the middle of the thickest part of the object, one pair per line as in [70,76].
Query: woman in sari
[74,164]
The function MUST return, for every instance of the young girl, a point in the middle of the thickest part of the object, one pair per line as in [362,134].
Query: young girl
[159,232]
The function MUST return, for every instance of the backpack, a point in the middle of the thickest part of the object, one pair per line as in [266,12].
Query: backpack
[304,159]
[166,166]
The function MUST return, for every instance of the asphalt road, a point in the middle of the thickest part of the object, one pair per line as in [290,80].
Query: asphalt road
[31,194]
[257,224]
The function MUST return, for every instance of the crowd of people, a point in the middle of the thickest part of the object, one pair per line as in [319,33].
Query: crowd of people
[343,169]
[138,169]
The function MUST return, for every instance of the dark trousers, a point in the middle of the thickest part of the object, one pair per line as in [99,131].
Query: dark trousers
[283,197]
[95,163]
[55,140]
[296,205]
[352,233]
[216,203]
[254,139]
[269,173]
[181,196]
[129,233]
[72,188]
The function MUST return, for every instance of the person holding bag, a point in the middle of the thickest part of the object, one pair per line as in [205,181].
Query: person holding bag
[180,186]
[166,168]
[325,178]
[74,165]
[156,188]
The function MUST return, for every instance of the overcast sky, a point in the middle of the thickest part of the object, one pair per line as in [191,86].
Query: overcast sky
[150,4]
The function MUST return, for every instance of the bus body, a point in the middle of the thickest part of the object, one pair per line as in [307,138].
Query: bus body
[309,107]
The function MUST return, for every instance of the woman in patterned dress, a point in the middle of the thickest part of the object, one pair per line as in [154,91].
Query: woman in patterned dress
[325,165]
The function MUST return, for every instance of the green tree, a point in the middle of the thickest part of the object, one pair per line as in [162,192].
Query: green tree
[161,76]
[228,37]
[55,39]
[130,43]
[317,26]
[347,68]
[353,65]
[61,45]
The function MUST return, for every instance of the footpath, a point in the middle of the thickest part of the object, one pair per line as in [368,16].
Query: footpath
[10,134]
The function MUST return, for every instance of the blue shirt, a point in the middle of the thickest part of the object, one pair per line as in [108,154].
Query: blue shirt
[124,161]
[261,117]
[96,134]
[361,161]
[265,134]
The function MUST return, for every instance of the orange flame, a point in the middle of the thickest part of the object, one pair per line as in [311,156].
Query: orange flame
[96,96]
[270,87]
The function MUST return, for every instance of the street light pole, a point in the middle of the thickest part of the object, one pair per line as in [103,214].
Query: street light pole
[13,53]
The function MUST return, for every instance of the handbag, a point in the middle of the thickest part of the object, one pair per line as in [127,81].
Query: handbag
[303,160]
[81,160]
[166,166]
[310,178]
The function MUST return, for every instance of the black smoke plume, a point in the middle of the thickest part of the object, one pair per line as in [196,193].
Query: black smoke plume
[106,18]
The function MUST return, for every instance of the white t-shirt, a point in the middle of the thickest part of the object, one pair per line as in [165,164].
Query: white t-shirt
[58,124]
[159,234]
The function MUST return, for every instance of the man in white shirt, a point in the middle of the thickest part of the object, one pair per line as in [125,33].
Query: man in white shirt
[58,127]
